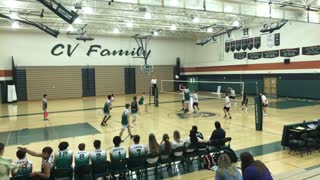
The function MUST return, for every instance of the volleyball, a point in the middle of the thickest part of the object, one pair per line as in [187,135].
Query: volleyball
[176,76]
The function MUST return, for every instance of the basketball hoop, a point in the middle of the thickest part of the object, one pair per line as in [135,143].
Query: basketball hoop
[147,69]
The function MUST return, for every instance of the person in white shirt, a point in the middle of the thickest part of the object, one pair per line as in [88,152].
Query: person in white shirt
[98,154]
[154,84]
[195,102]
[64,157]
[232,94]
[264,103]
[117,153]
[137,149]
[82,157]
[26,169]
[227,106]
[177,142]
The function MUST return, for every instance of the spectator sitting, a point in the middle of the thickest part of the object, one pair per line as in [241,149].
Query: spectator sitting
[47,162]
[153,148]
[199,134]
[192,141]
[218,133]
[117,152]
[98,154]
[253,169]
[177,142]
[165,147]
[137,149]
[227,171]
[63,158]
[82,156]
[26,170]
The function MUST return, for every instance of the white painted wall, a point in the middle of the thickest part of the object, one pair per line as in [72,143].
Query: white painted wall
[34,49]
[293,35]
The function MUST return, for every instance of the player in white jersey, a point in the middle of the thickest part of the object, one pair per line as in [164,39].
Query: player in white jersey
[98,154]
[226,108]
[264,103]
[195,102]
[63,158]
[137,149]
[81,158]
[26,169]
[117,153]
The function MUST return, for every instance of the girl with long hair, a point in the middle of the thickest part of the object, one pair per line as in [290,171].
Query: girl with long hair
[253,169]
[226,170]
[153,148]
[165,146]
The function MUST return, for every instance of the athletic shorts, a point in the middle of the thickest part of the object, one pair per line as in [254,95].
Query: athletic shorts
[135,114]
[195,104]
[106,114]
[265,105]
[124,126]
[226,108]
[185,102]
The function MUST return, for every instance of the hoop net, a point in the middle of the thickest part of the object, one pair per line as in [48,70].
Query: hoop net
[147,69]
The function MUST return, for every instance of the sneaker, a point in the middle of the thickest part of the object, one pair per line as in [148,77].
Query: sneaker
[230,117]
[224,116]
[102,124]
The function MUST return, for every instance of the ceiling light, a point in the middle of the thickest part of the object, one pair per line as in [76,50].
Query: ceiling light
[129,24]
[173,27]
[13,15]
[15,25]
[174,2]
[236,23]
[147,15]
[87,10]
[195,20]
[156,33]
[10,3]
[70,28]
[210,30]
[78,21]
[116,30]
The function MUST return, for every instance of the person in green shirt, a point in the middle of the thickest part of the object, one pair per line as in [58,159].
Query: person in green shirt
[125,121]
[141,102]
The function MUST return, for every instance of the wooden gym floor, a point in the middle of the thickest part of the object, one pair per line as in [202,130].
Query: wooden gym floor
[78,121]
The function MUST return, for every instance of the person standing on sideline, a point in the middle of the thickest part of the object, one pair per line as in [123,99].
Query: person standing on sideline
[195,102]
[106,111]
[141,102]
[244,102]
[264,103]
[186,96]
[227,106]
[45,107]
[125,121]
[134,110]
[154,84]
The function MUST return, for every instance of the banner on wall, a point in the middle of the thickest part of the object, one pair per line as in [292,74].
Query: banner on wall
[244,44]
[270,54]
[238,45]
[311,50]
[233,46]
[270,40]
[255,55]
[241,55]
[277,39]
[250,43]
[227,47]
[290,52]
[257,42]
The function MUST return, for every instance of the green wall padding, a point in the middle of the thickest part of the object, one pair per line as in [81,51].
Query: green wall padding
[299,88]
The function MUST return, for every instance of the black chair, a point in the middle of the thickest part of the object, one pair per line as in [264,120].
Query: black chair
[100,169]
[151,165]
[225,144]
[177,157]
[314,141]
[202,150]
[62,173]
[21,178]
[137,165]
[213,146]
[298,144]
[82,173]
[165,159]
[119,167]
[190,154]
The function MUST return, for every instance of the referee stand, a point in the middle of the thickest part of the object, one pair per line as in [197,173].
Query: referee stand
[154,93]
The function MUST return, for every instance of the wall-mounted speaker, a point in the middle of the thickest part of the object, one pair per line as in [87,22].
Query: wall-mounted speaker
[286,61]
